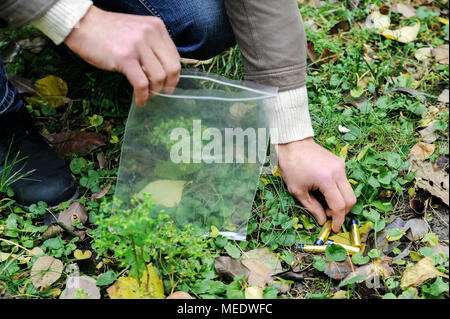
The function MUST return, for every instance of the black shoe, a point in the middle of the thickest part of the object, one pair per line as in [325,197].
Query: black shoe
[45,175]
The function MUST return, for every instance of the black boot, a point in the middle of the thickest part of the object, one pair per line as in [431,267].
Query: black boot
[44,174]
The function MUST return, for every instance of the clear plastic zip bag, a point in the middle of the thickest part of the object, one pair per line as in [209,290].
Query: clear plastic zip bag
[198,151]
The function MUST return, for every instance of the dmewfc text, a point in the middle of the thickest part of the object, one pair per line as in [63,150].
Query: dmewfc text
[225,309]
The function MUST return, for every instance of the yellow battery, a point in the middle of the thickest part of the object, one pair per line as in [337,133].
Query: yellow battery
[355,237]
[324,233]
[321,248]
[312,248]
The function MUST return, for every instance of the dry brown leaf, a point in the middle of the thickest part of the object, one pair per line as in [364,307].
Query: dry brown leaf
[310,51]
[101,159]
[444,96]
[228,267]
[423,54]
[102,193]
[441,54]
[405,9]
[259,273]
[339,270]
[431,178]
[423,270]
[265,256]
[179,295]
[378,267]
[45,271]
[76,211]
[427,134]
[422,150]
[77,142]
[327,56]
[343,25]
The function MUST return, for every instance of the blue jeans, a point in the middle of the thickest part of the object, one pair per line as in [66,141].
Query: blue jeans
[199,28]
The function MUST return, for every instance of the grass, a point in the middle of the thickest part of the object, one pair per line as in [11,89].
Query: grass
[383,127]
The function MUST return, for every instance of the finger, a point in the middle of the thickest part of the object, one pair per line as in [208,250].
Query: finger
[347,193]
[137,78]
[313,206]
[168,55]
[153,69]
[336,206]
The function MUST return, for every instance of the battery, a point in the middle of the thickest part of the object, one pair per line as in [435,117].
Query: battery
[321,248]
[355,237]
[350,249]
[312,248]
[324,233]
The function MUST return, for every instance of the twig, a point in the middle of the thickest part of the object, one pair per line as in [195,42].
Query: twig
[17,245]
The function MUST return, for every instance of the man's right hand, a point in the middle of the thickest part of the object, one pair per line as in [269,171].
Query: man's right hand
[137,46]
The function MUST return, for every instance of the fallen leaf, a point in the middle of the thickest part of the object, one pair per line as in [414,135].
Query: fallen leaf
[24,86]
[417,229]
[259,273]
[165,192]
[405,9]
[403,35]
[52,89]
[80,287]
[51,231]
[264,256]
[228,267]
[423,54]
[343,25]
[102,193]
[128,287]
[427,134]
[82,255]
[77,142]
[327,56]
[431,178]
[377,20]
[378,267]
[179,295]
[101,159]
[422,150]
[253,292]
[410,91]
[310,51]
[423,270]
[338,270]
[76,211]
[444,96]
[340,294]
[441,54]
[45,271]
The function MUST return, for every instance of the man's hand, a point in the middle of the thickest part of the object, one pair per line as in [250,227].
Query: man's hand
[305,167]
[137,46]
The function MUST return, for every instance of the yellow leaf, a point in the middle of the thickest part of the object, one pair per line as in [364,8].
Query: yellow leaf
[128,287]
[253,292]
[422,150]
[443,20]
[165,192]
[80,255]
[265,180]
[214,232]
[420,272]
[344,151]
[352,181]
[403,35]
[52,89]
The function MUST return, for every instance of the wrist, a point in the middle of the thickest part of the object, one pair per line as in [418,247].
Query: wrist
[75,37]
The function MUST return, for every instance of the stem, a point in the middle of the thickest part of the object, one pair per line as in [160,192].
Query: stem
[17,245]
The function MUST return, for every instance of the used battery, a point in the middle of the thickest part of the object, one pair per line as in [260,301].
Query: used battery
[321,248]
[350,249]
[355,237]
[324,233]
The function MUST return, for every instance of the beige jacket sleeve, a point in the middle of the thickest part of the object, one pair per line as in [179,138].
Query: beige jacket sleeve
[271,37]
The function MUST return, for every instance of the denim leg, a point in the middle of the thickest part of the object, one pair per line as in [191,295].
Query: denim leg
[9,98]
[199,28]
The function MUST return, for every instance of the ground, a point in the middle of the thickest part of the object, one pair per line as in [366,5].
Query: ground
[370,95]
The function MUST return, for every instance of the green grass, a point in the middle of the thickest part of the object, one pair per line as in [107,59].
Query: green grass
[383,127]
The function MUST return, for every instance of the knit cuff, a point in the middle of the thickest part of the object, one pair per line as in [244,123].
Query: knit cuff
[59,21]
[288,116]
